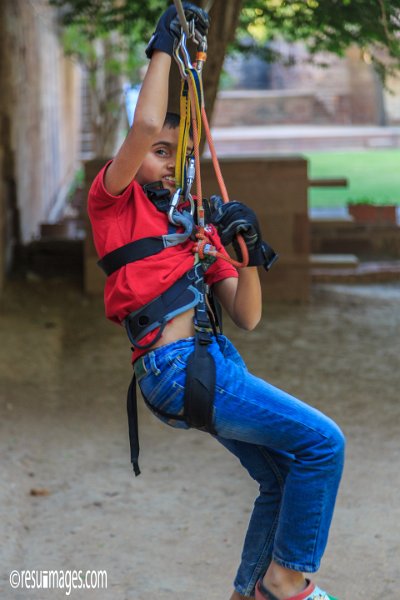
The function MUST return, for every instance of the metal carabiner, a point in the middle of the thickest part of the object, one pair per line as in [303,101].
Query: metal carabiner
[192,207]
[190,176]
[180,63]
[172,207]
[186,56]
[201,56]
[174,204]
[200,40]
[184,61]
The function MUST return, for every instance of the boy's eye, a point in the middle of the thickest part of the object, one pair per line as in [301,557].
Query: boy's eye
[162,152]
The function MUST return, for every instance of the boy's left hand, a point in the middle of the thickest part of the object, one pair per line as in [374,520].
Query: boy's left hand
[233,218]
[168,28]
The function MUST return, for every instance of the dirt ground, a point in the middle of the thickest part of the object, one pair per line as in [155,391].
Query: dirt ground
[176,531]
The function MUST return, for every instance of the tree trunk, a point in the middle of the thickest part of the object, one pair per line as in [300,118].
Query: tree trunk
[224,18]
[106,98]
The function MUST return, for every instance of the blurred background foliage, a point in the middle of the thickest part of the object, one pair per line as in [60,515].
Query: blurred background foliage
[109,36]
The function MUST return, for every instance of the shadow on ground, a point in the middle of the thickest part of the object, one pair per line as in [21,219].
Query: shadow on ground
[176,531]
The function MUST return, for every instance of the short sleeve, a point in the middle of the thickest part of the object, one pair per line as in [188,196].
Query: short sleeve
[99,198]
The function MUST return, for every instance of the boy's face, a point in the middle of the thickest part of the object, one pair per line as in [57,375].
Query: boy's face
[159,162]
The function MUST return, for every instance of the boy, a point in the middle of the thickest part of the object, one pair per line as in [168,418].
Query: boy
[292,450]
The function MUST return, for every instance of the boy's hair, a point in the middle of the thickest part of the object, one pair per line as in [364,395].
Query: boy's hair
[172,121]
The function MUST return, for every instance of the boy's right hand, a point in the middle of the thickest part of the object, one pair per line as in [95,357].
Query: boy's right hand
[168,28]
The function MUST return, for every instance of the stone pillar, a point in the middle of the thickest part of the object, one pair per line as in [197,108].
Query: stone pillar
[276,188]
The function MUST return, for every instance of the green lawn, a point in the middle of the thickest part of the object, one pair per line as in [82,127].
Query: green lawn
[372,174]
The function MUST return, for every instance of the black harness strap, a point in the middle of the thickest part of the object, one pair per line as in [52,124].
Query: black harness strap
[200,385]
[131,406]
[130,253]
[200,368]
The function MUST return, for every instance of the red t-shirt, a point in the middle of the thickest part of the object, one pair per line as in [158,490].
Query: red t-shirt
[118,220]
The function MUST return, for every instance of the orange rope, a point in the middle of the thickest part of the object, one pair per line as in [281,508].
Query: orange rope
[222,186]
[204,245]
[221,183]
[214,158]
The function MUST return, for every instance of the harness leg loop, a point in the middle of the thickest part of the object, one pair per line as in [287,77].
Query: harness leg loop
[200,386]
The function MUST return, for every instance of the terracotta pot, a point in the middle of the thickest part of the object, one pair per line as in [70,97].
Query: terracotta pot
[371,213]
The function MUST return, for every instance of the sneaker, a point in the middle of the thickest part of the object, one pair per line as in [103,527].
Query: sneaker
[312,592]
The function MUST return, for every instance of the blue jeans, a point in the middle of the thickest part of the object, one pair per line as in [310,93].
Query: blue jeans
[292,450]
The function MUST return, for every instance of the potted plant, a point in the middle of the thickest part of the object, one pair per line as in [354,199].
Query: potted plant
[366,210]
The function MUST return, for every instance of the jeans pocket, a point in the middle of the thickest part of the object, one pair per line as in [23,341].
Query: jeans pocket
[154,385]
[167,404]
[179,362]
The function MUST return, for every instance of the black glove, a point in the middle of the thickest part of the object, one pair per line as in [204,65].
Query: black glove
[233,218]
[168,28]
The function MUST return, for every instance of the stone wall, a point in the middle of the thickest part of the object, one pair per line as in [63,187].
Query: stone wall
[40,121]
[369,241]
[346,91]
[269,107]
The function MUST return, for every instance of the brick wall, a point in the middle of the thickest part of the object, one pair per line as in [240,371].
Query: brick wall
[262,107]
[346,91]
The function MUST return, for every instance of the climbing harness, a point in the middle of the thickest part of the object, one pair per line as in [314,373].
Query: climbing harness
[190,291]
[180,297]
[192,112]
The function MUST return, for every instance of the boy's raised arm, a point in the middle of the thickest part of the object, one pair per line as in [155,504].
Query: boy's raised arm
[148,122]
[152,103]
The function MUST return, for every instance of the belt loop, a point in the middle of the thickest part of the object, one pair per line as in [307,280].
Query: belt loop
[153,364]
[140,368]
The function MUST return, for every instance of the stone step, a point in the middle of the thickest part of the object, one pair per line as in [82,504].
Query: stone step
[333,261]
[67,229]
[54,258]
[301,138]
[366,272]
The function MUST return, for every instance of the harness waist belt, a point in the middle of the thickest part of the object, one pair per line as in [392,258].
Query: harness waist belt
[179,298]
